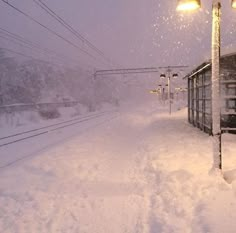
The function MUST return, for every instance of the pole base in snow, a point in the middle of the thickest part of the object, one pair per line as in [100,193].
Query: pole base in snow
[216,149]
[215,172]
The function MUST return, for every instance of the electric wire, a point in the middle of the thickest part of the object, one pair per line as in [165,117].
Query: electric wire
[29,56]
[51,12]
[48,29]
[28,46]
[35,45]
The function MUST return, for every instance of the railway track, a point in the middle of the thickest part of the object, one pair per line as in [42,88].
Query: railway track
[24,135]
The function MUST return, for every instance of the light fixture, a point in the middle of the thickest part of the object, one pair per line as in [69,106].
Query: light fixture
[175,75]
[234,4]
[162,76]
[188,5]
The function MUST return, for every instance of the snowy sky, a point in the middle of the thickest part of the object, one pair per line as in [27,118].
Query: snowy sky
[132,33]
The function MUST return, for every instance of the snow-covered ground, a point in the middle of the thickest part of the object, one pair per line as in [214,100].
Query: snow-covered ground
[136,171]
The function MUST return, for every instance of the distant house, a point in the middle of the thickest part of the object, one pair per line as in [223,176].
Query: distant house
[199,95]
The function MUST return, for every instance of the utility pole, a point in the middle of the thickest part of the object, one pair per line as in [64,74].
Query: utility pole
[216,128]
[215,75]
[168,71]
[169,89]
[162,93]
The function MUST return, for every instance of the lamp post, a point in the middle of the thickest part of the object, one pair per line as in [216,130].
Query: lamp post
[168,86]
[169,70]
[215,77]
[161,89]
[233,4]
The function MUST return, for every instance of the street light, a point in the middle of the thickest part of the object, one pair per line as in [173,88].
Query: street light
[169,90]
[161,87]
[162,76]
[189,5]
[233,4]
[215,77]
[169,70]
[175,75]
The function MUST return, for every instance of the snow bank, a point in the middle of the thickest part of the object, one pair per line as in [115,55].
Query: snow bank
[144,172]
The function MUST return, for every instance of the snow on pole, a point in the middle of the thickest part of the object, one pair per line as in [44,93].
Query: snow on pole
[216,129]
[169,93]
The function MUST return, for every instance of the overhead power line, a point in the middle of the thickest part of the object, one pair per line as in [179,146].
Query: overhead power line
[59,62]
[48,29]
[15,42]
[39,47]
[26,44]
[30,43]
[126,71]
[15,36]
[29,56]
[70,28]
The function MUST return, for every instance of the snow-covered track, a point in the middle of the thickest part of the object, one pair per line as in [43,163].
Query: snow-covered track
[19,107]
[50,128]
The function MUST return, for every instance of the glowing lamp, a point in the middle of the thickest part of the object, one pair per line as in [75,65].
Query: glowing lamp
[188,5]
[162,75]
[234,4]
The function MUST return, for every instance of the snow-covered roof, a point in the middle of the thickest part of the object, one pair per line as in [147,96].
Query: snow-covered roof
[226,51]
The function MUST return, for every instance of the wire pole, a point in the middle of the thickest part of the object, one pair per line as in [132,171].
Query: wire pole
[216,126]
[169,91]
[168,71]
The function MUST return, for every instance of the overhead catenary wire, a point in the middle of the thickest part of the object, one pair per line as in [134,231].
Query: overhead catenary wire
[58,18]
[49,29]
[79,35]
[35,45]
[29,46]
[15,42]
[31,57]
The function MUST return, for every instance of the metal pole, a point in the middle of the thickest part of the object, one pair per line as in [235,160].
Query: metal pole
[216,129]
[169,90]
[168,71]
[163,95]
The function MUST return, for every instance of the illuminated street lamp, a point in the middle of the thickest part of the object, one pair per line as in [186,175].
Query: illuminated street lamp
[188,5]
[174,75]
[215,77]
[233,4]
[162,76]
[169,90]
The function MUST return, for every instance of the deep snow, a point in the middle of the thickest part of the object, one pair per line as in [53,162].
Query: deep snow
[143,171]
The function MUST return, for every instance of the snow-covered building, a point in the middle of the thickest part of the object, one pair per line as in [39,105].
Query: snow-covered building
[199,94]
